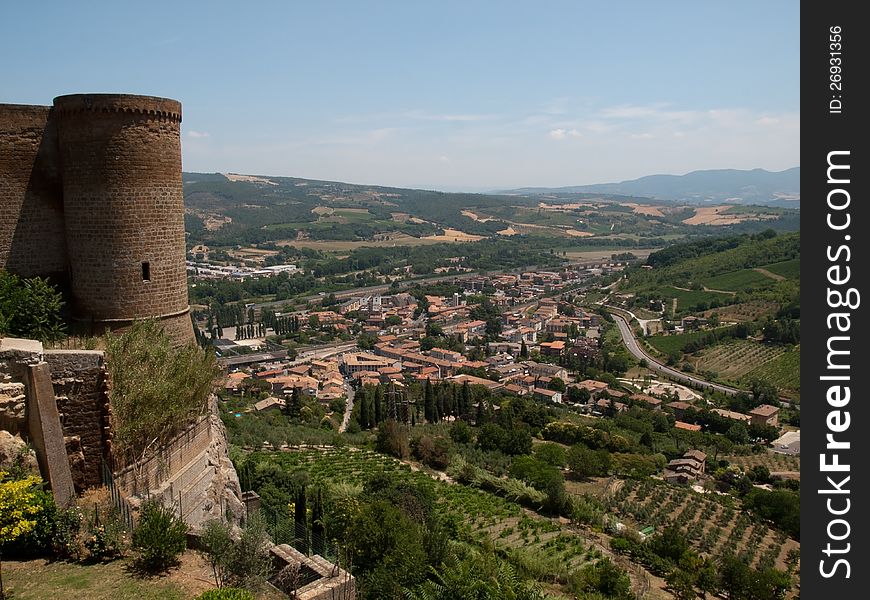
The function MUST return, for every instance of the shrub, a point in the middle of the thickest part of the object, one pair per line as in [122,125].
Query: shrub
[157,389]
[226,594]
[108,538]
[160,537]
[217,547]
[30,308]
[250,563]
[393,439]
[54,532]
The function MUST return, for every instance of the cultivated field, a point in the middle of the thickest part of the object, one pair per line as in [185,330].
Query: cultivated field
[668,344]
[737,281]
[724,215]
[783,371]
[735,359]
[776,463]
[744,311]
[789,269]
[713,524]
[547,550]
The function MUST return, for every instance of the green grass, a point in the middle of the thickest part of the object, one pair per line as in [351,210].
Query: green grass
[737,281]
[688,299]
[671,344]
[41,580]
[790,269]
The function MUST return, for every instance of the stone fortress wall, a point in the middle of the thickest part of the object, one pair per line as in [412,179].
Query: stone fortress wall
[91,193]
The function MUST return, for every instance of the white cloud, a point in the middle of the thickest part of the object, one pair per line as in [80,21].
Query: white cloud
[642,136]
[767,121]
[561,134]
[197,134]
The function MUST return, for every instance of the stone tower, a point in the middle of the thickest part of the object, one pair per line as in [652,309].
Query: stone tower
[113,163]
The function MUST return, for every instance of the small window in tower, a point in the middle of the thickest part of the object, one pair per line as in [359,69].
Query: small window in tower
[146,271]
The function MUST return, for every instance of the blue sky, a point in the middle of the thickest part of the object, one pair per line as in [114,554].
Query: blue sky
[446,95]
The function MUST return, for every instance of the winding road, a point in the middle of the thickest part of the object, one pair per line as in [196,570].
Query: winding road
[634,347]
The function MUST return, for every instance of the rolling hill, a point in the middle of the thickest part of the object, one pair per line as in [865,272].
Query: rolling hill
[756,186]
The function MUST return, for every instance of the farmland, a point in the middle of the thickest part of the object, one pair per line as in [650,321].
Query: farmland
[737,361]
[743,311]
[736,281]
[774,462]
[674,344]
[790,269]
[713,525]
[689,300]
[541,548]
[782,371]
[733,360]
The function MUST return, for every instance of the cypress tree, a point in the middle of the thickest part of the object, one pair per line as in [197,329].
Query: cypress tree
[429,402]
[301,519]
[318,540]
[379,397]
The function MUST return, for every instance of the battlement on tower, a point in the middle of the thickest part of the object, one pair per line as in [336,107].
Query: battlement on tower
[118,103]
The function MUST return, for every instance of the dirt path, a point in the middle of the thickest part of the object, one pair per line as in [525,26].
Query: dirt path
[767,273]
[706,289]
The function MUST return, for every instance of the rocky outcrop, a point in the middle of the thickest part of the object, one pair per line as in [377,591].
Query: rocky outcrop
[15,452]
[222,497]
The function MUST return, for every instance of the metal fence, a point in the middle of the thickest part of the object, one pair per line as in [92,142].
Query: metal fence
[118,501]
[285,530]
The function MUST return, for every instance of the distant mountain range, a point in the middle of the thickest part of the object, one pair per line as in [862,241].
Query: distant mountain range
[720,185]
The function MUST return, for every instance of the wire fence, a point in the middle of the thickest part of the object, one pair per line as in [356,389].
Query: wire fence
[118,501]
[285,530]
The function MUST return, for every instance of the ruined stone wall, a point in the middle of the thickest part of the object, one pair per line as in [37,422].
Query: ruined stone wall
[79,382]
[32,239]
[123,206]
[332,583]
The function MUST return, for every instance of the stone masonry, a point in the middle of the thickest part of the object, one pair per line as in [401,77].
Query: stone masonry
[91,194]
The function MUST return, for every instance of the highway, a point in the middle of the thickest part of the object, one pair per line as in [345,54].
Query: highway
[634,347]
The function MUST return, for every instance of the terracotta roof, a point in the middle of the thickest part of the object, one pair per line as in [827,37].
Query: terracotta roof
[765,410]
[687,426]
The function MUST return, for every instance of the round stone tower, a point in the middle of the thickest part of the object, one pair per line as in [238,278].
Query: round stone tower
[120,157]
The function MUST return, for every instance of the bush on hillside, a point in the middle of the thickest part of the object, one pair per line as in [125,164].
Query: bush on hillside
[157,389]
[160,537]
[226,594]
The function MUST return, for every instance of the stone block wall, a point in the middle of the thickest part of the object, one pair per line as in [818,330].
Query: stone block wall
[32,240]
[79,381]
[170,461]
[331,583]
[91,193]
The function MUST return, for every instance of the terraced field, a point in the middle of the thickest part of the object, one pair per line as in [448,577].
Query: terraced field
[714,525]
[783,371]
[544,548]
[773,461]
